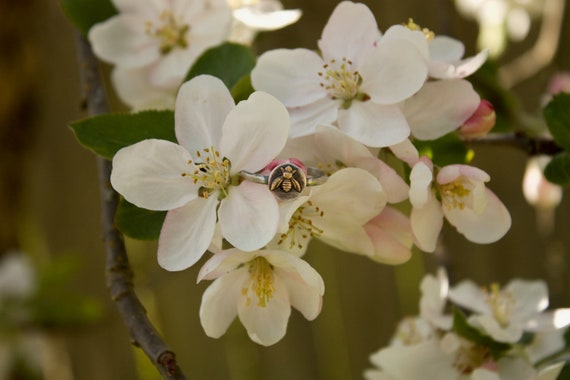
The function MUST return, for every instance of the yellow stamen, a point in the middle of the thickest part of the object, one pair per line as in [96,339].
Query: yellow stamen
[260,282]
[428,34]
[171,34]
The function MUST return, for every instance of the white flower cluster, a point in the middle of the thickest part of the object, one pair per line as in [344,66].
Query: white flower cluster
[327,113]
[508,334]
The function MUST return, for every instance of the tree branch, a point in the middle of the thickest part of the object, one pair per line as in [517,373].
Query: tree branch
[530,145]
[118,271]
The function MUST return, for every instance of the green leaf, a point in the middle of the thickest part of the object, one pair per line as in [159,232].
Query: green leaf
[86,13]
[229,62]
[138,223]
[558,170]
[557,115]
[106,134]
[465,330]
[446,150]
[242,89]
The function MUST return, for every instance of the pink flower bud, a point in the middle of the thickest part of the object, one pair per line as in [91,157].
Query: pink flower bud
[560,82]
[481,122]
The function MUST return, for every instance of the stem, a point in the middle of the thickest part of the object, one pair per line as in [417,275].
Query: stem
[118,270]
[530,145]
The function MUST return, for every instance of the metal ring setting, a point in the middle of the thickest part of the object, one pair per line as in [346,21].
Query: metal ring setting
[287,181]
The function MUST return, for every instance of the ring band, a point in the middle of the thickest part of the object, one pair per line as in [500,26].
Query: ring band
[287,180]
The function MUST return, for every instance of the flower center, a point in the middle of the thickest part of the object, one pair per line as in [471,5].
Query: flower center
[409,333]
[213,173]
[469,357]
[501,304]
[301,227]
[454,194]
[342,81]
[172,32]
[428,34]
[260,282]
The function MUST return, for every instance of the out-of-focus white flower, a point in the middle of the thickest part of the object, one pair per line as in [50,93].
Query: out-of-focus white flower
[434,298]
[357,82]
[197,181]
[254,16]
[537,190]
[259,287]
[154,43]
[466,203]
[17,277]
[504,314]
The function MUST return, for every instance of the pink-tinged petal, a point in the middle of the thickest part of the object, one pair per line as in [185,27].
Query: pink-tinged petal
[186,233]
[531,299]
[349,33]
[421,178]
[254,132]
[305,119]
[440,107]
[290,75]
[394,186]
[224,262]
[121,40]
[135,90]
[445,49]
[392,72]
[406,151]
[201,109]
[149,175]
[249,216]
[391,235]
[426,224]
[303,297]
[220,303]
[373,124]
[402,33]
[267,324]
[483,228]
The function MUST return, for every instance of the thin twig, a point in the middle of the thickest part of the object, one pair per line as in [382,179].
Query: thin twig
[530,145]
[118,270]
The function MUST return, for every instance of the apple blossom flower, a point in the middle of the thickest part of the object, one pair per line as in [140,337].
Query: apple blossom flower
[504,314]
[198,180]
[357,82]
[435,290]
[537,190]
[253,16]
[466,203]
[335,213]
[259,287]
[154,43]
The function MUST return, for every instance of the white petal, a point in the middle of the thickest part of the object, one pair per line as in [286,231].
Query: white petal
[224,262]
[255,132]
[266,325]
[392,72]
[259,20]
[249,216]
[469,295]
[400,33]
[426,224]
[458,69]
[201,109]
[122,40]
[349,33]
[485,374]
[149,175]
[421,178]
[303,297]
[135,90]
[515,368]
[440,107]
[373,124]
[186,233]
[305,119]
[531,298]
[391,236]
[171,69]
[289,75]
[550,372]
[406,151]
[488,227]
[219,303]
[446,49]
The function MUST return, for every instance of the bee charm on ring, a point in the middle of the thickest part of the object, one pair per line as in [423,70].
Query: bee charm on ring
[287,181]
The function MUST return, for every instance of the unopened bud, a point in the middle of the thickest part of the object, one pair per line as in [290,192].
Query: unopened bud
[481,122]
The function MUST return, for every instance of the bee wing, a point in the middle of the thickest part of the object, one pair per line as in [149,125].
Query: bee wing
[296,184]
[275,184]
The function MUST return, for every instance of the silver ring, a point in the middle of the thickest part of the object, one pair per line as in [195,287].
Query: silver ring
[287,181]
